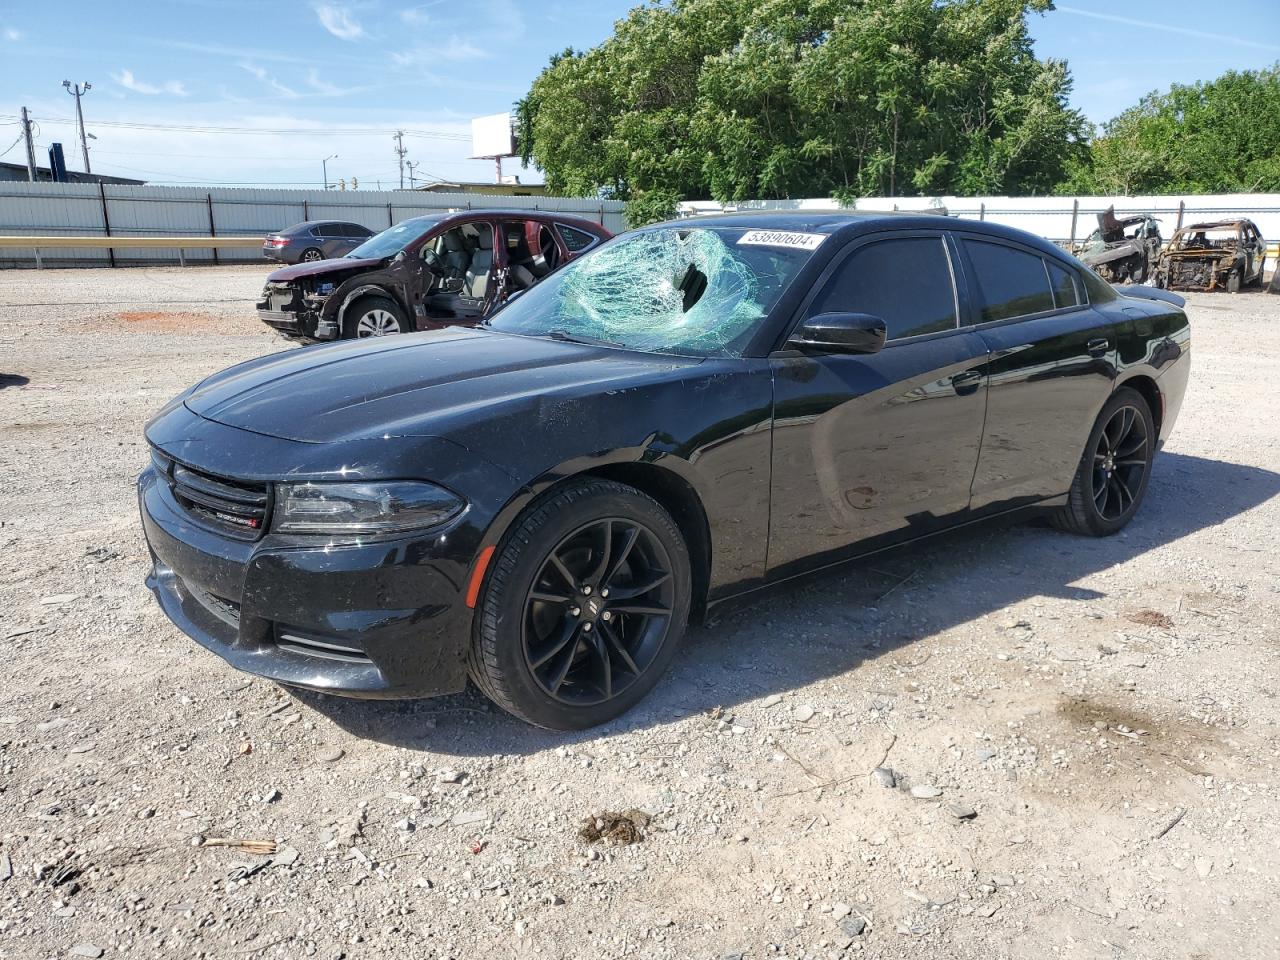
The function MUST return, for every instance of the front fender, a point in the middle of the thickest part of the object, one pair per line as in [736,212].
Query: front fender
[336,308]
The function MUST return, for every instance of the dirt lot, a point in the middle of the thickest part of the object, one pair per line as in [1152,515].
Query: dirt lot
[1083,732]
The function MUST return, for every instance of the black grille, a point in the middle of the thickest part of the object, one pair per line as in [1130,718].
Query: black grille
[236,506]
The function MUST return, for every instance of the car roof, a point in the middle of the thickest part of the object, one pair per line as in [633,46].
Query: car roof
[316,223]
[545,216]
[1214,225]
[850,223]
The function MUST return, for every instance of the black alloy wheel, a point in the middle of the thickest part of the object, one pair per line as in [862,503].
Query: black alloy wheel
[598,611]
[583,606]
[1120,463]
[311,255]
[1112,478]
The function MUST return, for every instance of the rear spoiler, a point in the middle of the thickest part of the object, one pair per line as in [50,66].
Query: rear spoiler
[1149,293]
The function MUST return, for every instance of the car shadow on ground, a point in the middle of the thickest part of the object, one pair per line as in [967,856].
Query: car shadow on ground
[835,621]
[13,380]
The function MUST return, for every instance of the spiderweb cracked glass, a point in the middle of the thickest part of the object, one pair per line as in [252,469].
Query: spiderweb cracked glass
[637,291]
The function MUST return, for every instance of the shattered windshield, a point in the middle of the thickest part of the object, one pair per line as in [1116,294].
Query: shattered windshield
[391,241]
[696,291]
[1220,237]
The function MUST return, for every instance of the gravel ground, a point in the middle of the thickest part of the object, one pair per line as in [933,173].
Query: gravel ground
[1081,734]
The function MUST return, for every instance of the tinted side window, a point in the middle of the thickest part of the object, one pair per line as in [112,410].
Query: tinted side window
[575,240]
[906,282]
[327,230]
[355,232]
[1009,282]
[1064,286]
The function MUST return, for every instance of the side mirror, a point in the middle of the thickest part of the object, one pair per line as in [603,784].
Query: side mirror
[840,333]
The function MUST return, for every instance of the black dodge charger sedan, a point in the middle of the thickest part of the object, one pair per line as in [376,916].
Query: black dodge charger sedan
[685,414]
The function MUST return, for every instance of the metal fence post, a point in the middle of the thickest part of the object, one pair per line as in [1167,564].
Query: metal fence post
[106,221]
[391,220]
[1182,209]
[1075,213]
[982,211]
[212,232]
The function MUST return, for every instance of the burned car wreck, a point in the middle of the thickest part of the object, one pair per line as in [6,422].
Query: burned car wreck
[1123,250]
[1209,256]
[424,273]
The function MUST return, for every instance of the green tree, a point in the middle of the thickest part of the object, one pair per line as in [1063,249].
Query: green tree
[1217,137]
[737,99]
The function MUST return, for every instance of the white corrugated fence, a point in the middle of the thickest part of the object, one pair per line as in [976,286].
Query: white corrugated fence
[89,209]
[1050,217]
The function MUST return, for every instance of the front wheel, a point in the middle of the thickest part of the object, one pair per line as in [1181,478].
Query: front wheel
[373,317]
[1112,478]
[1233,281]
[586,602]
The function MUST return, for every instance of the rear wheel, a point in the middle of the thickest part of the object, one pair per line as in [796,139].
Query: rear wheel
[373,317]
[585,605]
[1112,478]
[311,255]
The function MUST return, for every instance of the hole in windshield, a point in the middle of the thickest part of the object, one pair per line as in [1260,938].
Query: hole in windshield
[694,291]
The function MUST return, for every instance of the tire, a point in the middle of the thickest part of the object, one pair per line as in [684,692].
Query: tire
[567,582]
[373,317]
[1108,489]
[311,255]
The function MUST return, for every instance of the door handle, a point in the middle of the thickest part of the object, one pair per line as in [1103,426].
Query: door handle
[966,382]
[1099,347]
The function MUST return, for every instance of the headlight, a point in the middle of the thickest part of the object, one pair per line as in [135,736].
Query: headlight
[362,507]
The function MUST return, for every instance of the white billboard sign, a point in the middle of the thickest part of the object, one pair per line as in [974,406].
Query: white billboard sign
[492,137]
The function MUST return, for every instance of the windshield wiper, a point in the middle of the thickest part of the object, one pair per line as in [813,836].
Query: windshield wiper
[567,337]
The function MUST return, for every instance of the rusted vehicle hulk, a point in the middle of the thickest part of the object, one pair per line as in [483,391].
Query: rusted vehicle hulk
[1123,250]
[1209,256]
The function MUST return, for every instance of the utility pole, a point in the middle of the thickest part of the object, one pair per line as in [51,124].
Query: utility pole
[31,147]
[398,137]
[412,165]
[78,91]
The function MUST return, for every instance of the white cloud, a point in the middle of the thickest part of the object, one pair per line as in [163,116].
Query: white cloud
[338,21]
[1168,28]
[455,49]
[323,86]
[127,80]
[415,16]
[11,34]
[263,76]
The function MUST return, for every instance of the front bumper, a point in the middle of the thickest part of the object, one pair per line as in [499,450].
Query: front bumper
[285,321]
[378,619]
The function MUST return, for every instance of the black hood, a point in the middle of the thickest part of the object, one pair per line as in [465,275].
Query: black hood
[425,384]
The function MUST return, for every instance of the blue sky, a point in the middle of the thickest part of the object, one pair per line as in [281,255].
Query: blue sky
[222,78]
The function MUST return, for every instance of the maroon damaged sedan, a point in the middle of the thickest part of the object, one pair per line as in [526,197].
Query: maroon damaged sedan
[424,273]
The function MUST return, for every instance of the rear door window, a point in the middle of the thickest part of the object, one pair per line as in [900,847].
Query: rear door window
[327,230]
[1009,282]
[353,231]
[575,241]
[905,281]
[1063,281]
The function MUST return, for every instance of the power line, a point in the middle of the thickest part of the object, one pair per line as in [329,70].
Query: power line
[12,145]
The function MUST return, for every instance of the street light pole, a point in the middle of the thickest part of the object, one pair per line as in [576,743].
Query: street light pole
[78,91]
[324,165]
